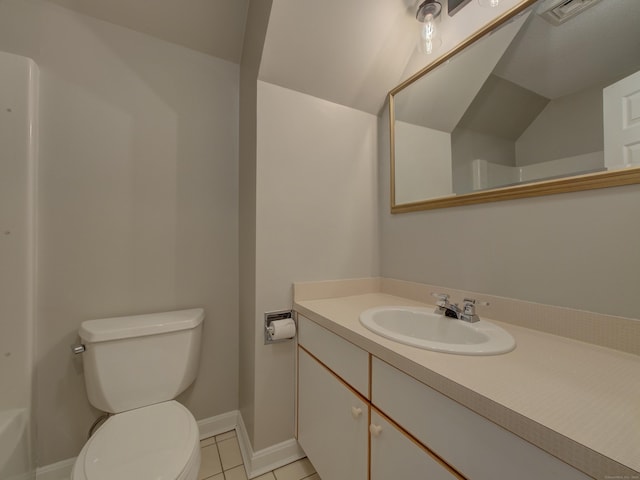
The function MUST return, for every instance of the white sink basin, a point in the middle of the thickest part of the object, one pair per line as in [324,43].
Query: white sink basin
[420,327]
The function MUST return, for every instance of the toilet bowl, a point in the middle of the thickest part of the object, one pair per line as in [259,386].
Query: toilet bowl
[134,367]
[156,442]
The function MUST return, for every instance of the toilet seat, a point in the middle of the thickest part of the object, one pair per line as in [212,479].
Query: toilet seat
[159,442]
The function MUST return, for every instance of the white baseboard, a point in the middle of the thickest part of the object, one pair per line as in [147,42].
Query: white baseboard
[56,471]
[256,463]
[267,459]
[219,424]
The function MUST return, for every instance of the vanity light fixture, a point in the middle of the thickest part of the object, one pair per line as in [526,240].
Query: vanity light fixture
[427,14]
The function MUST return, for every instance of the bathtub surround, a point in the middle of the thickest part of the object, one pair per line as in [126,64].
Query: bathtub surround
[16,451]
[19,87]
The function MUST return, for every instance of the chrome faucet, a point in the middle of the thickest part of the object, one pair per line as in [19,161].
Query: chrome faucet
[467,313]
[443,307]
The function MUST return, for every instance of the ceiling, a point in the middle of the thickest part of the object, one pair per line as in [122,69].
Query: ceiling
[440,99]
[538,57]
[214,27]
[502,109]
[350,52]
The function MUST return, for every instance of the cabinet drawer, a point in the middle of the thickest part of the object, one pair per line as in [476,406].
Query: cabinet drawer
[346,360]
[476,447]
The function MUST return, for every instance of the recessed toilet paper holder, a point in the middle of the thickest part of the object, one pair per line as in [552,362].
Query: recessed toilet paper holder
[270,317]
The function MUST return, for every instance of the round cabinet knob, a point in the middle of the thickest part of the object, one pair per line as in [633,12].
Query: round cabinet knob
[356,412]
[375,430]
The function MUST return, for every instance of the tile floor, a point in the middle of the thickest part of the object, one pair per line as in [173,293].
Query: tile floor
[221,460]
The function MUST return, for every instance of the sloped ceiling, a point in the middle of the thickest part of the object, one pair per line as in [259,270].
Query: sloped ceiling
[538,60]
[502,109]
[351,52]
[214,27]
[440,99]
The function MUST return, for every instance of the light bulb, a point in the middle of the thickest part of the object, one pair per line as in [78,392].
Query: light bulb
[429,39]
[489,3]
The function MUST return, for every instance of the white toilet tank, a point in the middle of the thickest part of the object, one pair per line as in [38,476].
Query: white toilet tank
[135,361]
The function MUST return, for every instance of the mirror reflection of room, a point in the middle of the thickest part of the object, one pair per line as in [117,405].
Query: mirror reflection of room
[538,99]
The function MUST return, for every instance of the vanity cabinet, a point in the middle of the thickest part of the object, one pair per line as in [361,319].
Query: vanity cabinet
[360,418]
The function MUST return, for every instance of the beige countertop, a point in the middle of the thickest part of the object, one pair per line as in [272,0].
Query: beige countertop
[578,401]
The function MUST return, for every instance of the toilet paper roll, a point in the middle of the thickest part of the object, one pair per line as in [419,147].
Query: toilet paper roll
[282,329]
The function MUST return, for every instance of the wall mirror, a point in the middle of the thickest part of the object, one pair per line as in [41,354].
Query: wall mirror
[542,101]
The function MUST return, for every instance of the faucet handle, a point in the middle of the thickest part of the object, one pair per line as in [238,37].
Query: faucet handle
[443,298]
[469,310]
[442,304]
[473,301]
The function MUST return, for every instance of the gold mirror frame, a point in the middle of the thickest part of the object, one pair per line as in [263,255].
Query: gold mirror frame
[591,181]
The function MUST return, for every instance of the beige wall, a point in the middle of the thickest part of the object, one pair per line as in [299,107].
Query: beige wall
[467,146]
[423,162]
[138,200]
[316,219]
[568,126]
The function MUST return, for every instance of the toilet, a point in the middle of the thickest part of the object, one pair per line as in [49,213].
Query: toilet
[134,367]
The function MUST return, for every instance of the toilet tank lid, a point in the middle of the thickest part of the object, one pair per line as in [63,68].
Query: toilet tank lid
[115,328]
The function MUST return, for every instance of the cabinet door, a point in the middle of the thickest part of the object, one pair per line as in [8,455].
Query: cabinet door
[397,456]
[332,422]
[476,447]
